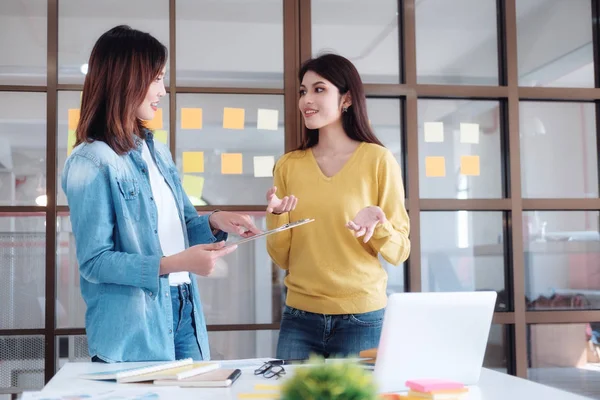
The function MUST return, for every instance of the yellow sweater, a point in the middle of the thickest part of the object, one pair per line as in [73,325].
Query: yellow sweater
[330,270]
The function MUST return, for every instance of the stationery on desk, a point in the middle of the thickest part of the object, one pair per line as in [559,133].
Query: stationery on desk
[122,373]
[435,389]
[174,374]
[222,377]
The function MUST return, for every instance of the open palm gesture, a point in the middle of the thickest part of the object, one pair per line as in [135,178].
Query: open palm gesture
[275,205]
[365,222]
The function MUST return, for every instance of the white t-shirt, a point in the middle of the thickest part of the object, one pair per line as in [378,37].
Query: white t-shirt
[170,233]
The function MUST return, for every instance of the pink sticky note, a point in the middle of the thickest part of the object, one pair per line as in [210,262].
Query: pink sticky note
[429,385]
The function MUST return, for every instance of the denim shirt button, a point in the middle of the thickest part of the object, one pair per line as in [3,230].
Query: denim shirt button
[170,330]
[151,198]
[143,171]
[150,294]
[155,231]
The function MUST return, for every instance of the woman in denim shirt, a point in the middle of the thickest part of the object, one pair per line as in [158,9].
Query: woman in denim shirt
[140,242]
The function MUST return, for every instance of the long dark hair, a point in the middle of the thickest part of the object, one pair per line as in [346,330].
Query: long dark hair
[123,64]
[343,75]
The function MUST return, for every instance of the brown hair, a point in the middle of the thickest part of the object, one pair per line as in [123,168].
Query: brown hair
[122,66]
[343,75]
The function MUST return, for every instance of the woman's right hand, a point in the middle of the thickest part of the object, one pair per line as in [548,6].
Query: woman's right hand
[275,205]
[199,259]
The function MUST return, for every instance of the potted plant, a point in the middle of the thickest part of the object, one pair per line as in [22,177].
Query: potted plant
[338,380]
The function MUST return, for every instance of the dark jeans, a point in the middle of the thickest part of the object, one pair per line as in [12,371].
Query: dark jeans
[186,345]
[303,333]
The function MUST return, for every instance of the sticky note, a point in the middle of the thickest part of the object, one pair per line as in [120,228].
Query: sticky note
[71,138]
[434,132]
[262,386]
[435,166]
[157,122]
[161,136]
[267,119]
[193,161]
[233,118]
[231,163]
[193,185]
[73,118]
[469,165]
[191,118]
[263,166]
[469,133]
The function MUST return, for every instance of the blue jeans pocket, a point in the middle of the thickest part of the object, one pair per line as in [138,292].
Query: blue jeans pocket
[291,312]
[372,318]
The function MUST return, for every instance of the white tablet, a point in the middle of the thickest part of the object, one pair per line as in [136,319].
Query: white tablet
[283,227]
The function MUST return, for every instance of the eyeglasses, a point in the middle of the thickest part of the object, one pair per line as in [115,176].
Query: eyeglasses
[271,369]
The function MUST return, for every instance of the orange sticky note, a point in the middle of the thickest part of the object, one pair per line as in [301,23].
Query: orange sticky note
[157,122]
[191,118]
[233,118]
[469,165]
[73,118]
[435,166]
[231,163]
[193,161]
[161,136]
[71,137]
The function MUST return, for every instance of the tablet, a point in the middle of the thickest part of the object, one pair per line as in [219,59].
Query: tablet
[282,228]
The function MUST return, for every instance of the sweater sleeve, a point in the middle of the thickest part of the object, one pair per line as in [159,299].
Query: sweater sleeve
[278,245]
[390,239]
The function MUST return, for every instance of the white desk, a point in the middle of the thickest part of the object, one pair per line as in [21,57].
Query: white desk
[492,385]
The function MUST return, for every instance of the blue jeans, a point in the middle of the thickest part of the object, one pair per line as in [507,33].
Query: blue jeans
[303,333]
[184,328]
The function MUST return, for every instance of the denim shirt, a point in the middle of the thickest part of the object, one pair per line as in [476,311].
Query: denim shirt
[129,314]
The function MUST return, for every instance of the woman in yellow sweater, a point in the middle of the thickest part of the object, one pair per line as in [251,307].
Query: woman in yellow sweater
[345,179]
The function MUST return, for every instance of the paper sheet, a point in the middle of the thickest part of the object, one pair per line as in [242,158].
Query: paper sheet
[263,166]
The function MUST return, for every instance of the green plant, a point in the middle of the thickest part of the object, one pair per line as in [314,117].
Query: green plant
[328,381]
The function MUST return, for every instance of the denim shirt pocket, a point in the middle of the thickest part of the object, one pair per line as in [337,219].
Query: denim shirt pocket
[130,192]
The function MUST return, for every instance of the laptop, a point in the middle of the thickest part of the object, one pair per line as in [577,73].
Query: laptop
[433,336]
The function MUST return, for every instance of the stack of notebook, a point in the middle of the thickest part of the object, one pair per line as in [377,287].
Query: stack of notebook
[435,389]
[177,373]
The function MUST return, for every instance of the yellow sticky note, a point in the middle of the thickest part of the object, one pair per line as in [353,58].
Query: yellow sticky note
[262,386]
[435,166]
[157,122]
[193,161]
[231,163]
[161,136]
[73,118]
[233,118]
[71,137]
[191,118]
[193,185]
[469,165]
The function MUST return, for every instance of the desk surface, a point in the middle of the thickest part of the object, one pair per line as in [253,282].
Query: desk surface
[492,385]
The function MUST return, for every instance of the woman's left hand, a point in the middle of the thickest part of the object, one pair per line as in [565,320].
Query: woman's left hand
[365,222]
[238,224]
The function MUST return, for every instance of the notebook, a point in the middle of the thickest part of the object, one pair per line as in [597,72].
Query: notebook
[221,377]
[122,373]
[173,373]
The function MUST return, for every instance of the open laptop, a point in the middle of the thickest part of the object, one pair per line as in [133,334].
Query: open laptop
[433,336]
